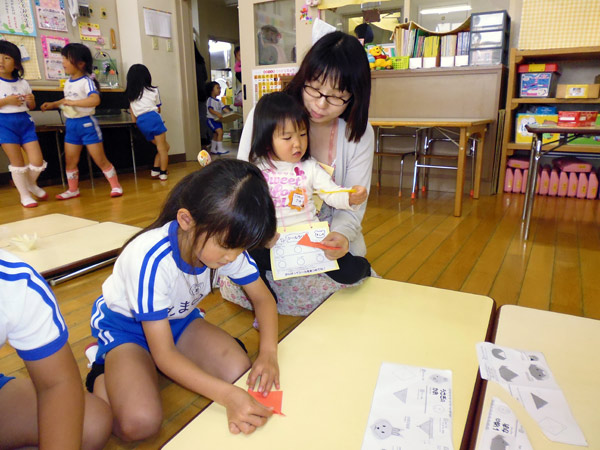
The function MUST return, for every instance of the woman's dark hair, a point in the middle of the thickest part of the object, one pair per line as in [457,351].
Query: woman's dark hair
[138,79]
[229,200]
[339,58]
[208,88]
[77,53]
[236,49]
[271,112]
[10,49]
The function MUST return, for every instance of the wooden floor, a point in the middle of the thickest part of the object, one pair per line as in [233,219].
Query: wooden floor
[418,242]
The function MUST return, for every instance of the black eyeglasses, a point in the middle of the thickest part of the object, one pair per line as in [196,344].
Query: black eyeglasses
[331,99]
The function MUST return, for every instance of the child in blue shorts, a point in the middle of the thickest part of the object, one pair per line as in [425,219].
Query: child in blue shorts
[17,128]
[144,104]
[49,409]
[214,112]
[82,95]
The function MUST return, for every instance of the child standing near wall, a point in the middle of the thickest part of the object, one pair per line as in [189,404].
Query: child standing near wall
[147,317]
[280,149]
[144,103]
[17,128]
[215,109]
[82,95]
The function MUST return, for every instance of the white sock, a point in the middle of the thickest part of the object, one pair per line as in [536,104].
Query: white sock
[34,173]
[213,146]
[20,176]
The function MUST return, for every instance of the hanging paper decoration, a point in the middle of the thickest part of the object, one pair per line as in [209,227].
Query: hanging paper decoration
[16,17]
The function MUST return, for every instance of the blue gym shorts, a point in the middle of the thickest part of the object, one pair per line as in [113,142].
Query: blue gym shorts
[151,125]
[113,329]
[214,125]
[83,131]
[17,128]
[4,379]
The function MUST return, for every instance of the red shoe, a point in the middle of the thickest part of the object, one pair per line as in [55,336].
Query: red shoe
[30,205]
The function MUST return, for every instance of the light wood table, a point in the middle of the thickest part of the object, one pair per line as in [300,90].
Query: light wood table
[467,128]
[330,364]
[66,244]
[570,346]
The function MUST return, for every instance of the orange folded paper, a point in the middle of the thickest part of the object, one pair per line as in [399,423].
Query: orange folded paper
[273,400]
[305,240]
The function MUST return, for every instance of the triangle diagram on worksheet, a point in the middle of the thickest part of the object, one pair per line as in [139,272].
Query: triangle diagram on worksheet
[401,395]
[539,402]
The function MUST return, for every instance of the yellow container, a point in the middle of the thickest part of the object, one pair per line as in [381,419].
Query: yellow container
[522,136]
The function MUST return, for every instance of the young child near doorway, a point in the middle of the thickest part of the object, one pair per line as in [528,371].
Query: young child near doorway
[147,318]
[215,110]
[17,128]
[280,149]
[82,95]
[144,104]
[48,409]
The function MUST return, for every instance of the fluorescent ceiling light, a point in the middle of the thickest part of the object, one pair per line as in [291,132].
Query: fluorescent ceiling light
[445,9]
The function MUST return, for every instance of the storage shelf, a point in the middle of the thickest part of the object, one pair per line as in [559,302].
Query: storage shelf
[588,55]
[517,101]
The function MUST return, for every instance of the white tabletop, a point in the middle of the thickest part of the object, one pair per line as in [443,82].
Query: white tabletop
[330,363]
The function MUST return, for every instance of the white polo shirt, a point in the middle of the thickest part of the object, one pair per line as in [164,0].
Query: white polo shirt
[78,89]
[150,101]
[29,316]
[17,86]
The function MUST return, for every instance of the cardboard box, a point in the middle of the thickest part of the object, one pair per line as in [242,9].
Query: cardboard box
[522,136]
[578,91]
[577,118]
[537,84]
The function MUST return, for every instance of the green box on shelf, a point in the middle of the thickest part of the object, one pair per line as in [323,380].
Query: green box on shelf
[588,140]
[400,62]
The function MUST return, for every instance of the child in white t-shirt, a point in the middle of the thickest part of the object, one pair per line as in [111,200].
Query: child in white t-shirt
[214,112]
[17,128]
[49,410]
[82,95]
[144,104]
[147,318]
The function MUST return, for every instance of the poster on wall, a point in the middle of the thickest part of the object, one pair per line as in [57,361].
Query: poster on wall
[52,4]
[51,19]
[89,31]
[16,17]
[269,80]
[157,23]
[51,47]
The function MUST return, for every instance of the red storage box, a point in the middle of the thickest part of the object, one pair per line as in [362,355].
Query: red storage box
[551,67]
[577,118]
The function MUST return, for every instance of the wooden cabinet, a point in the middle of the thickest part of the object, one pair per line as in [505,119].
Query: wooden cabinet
[583,55]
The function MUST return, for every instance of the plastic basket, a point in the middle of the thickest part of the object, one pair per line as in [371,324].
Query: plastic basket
[105,69]
[400,62]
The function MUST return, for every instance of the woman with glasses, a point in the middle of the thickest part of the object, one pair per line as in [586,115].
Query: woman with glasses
[334,85]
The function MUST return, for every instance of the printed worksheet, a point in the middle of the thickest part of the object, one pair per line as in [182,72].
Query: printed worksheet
[526,375]
[411,409]
[291,259]
[503,430]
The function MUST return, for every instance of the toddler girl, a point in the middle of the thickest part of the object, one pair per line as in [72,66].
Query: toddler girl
[144,103]
[147,317]
[82,95]
[17,128]
[280,149]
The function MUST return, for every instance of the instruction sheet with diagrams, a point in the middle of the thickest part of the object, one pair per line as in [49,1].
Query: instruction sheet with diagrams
[503,430]
[289,259]
[527,376]
[411,408]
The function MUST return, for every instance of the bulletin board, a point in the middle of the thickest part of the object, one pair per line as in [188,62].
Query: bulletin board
[41,27]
